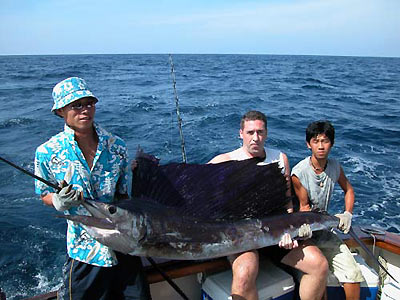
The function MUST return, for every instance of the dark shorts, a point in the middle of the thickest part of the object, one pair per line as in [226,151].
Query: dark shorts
[123,281]
[274,253]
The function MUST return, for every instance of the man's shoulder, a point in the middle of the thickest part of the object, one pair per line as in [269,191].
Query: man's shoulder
[55,142]
[333,161]
[107,135]
[301,166]
[303,161]
[236,154]
[272,150]
[334,164]
[274,154]
[220,158]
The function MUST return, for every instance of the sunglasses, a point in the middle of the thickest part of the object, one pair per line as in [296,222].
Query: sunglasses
[80,106]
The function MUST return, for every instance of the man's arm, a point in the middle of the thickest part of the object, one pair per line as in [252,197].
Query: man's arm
[301,194]
[47,199]
[345,218]
[305,230]
[348,191]
[289,206]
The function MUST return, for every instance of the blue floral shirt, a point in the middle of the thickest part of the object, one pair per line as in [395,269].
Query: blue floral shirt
[59,159]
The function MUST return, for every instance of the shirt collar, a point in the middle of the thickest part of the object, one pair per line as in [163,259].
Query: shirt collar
[101,133]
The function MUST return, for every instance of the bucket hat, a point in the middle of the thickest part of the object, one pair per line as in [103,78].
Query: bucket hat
[70,90]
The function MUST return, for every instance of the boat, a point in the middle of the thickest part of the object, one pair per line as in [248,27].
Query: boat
[190,276]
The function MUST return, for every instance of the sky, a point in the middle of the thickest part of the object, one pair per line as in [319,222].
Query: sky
[297,27]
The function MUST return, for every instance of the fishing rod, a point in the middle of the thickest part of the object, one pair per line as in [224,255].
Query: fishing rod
[55,186]
[177,109]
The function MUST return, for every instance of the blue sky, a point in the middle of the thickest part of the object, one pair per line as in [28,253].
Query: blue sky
[321,27]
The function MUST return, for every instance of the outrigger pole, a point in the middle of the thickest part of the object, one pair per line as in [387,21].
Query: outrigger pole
[177,109]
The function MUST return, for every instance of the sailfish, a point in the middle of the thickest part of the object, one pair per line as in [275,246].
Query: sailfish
[199,211]
[187,212]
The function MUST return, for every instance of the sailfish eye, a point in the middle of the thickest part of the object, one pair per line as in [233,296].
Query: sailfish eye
[112,209]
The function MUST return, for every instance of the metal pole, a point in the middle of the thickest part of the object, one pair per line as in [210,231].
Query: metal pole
[177,110]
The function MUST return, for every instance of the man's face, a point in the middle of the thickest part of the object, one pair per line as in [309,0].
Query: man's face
[320,146]
[79,115]
[254,135]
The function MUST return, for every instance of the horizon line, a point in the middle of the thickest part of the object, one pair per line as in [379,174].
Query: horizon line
[183,53]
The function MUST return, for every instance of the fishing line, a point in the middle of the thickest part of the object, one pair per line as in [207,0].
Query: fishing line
[177,110]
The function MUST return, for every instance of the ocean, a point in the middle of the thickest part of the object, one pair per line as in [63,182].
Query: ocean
[359,95]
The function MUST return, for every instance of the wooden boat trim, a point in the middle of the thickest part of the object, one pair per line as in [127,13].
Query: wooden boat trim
[177,269]
[388,241]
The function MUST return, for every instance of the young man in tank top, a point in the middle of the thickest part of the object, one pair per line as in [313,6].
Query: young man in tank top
[314,179]
[303,256]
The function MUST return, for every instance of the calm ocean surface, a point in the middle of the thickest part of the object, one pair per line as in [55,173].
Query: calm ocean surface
[361,96]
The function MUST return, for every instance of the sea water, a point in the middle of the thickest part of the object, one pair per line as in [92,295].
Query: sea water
[360,95]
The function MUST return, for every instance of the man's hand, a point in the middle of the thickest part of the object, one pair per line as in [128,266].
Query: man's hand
[67,197]
[287,242]
[305,231]
[345,221]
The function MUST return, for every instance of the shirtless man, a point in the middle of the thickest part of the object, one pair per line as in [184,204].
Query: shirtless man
[303,256]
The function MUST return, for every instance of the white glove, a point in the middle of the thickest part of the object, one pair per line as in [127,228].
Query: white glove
[305,231]
[287,242]
[345,221]
[66,198]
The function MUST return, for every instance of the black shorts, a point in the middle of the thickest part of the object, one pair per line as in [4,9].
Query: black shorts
[126,280]
[274,253]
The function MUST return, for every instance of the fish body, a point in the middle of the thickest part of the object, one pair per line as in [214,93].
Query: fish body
[161,232]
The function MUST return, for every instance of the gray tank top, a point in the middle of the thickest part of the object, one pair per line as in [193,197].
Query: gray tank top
[319,186]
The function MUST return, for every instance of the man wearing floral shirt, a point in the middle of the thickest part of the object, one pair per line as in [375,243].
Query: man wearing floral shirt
[88,162]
